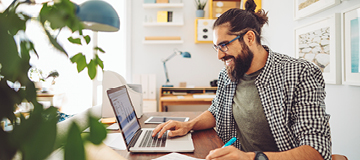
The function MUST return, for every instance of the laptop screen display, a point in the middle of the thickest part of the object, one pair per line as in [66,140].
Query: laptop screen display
[125,113]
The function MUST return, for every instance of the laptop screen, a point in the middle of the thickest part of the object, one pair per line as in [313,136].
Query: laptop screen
[124,112]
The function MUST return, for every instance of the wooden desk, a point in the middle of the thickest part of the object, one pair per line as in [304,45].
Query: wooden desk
[168,98]
[204,140]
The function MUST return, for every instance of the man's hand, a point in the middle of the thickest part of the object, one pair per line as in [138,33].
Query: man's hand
[229,153]
[177,128]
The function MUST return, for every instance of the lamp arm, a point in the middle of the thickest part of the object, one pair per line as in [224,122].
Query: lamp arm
[166,72]
[171,56]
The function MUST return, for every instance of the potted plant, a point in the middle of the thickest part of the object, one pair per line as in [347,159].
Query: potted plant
[200,5]
[34,137]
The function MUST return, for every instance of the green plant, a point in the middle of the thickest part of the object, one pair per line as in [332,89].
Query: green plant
[200,5]
[34,137]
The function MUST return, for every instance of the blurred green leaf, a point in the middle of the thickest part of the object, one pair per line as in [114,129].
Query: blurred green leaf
[97,131]
[87,39]
[92,69]
[75,41]
[99,49]
[74,148]
[99,61]
[80,60]
[45,132]
[55,43]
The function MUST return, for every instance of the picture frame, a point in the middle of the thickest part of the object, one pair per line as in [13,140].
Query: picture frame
[319,42]
[303,8]
[350,19]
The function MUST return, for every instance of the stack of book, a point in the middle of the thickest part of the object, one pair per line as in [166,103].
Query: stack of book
[164,16]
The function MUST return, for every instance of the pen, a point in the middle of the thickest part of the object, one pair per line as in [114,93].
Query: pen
[230,142]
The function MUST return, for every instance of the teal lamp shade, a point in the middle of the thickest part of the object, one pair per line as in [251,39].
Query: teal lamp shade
[186,54]
[98,15]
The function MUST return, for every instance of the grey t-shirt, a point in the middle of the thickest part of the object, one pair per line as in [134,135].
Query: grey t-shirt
[253,129]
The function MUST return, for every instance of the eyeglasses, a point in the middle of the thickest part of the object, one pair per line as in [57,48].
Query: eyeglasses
[223,47]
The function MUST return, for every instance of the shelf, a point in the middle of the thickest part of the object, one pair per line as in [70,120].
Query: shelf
[163,41]
[163,5]
[157,24]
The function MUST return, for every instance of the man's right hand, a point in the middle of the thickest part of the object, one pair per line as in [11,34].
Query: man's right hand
[176,128]
[204,121]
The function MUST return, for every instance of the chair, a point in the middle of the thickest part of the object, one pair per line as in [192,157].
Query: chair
[339,157]
[112,79]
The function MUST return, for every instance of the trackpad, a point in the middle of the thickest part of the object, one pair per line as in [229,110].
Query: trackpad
[182,138]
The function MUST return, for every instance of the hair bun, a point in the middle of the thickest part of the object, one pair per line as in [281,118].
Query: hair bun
[250,5]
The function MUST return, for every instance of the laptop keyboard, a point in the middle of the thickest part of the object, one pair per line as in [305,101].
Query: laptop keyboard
[149,141]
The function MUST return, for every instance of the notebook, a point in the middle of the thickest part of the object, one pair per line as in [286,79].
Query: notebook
[139,139]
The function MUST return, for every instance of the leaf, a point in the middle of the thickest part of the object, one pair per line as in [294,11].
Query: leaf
[92,69]
[80,60]
[55,43]
[99,49]
[97,131]
[87,39]
[75,41]
[74,148]
[99,61]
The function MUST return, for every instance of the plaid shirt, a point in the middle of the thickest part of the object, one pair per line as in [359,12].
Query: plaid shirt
[292,95]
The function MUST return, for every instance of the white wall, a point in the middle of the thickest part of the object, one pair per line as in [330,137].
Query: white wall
[77,87]
[341,100]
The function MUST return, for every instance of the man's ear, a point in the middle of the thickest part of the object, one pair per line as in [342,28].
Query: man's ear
[250,38]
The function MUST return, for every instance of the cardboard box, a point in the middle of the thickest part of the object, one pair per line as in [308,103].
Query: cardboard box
[162,1]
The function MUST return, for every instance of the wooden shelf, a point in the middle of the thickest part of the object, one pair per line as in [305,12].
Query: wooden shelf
[163,41]
[168,98]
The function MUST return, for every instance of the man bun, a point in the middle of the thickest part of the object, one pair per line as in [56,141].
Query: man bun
[250,6]
[261,15]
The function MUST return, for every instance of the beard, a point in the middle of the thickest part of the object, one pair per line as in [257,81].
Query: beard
[241,65]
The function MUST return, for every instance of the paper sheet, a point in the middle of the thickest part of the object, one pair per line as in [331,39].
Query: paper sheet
[176,156]
[115,141]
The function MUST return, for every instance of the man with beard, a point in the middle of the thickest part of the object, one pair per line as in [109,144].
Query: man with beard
[272,103]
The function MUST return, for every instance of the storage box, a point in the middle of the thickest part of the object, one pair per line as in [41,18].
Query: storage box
[162,1]
[149,1]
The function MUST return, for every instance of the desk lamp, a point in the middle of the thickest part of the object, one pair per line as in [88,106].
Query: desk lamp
[176,52]
[98,15]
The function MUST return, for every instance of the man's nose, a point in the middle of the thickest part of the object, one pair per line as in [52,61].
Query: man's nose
[220,54]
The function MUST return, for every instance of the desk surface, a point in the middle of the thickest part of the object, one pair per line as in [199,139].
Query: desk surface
[204,140]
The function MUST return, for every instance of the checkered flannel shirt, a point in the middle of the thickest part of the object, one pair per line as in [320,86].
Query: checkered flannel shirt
[292,95]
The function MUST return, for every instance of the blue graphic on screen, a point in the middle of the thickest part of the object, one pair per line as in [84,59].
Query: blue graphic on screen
[125,113]
[355,44]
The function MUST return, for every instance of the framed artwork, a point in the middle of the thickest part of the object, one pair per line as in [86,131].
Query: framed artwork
[351,45]
[320,43]
[303,8]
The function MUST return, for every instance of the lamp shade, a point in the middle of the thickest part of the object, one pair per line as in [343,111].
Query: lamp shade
[186,54]
[98,15]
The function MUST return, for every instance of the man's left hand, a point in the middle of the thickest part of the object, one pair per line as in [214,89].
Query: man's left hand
[229,153]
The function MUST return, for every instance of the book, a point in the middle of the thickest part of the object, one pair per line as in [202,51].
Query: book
[170,16]
[162,16]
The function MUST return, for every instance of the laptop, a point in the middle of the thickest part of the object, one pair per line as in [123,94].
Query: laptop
[139,139]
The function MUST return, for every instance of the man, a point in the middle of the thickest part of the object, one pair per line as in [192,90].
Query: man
[272,103]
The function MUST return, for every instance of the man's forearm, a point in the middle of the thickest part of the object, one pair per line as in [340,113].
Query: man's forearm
[204,121]
[304,152]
